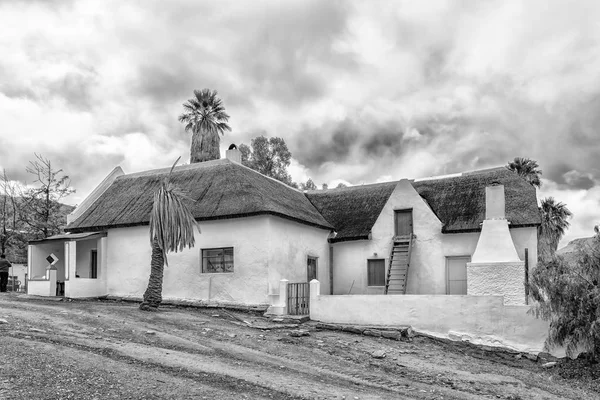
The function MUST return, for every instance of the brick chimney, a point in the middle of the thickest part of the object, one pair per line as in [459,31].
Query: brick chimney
[233,154]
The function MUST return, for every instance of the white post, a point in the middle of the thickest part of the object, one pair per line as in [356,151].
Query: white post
[315,292]
[52,278]
[283,288]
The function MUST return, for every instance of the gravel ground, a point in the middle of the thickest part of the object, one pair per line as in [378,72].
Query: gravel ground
[111,350]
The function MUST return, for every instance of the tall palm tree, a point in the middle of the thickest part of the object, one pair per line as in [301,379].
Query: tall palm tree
[171,229]
[206,118]
[555,222]
[528,169]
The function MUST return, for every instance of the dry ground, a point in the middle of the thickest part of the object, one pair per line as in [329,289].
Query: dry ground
[111,350]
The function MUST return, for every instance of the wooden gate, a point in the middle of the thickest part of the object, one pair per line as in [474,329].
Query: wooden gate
[298,297]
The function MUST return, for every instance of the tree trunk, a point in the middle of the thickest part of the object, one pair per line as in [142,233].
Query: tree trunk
[153,294]
[205,147]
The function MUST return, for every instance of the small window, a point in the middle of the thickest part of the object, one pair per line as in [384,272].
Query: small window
[217,260]
[311,268]
[456,273]
[376,272]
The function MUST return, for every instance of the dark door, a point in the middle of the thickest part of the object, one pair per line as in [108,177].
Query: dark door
[94,264]
[403,223]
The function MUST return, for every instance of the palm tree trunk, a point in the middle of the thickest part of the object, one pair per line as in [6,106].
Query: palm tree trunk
[153,294]
[205,147]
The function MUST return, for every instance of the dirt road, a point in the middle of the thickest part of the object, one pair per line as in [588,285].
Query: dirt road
[110,350]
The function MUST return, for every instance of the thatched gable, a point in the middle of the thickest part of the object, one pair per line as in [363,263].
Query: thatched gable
[459,202]
[217,189]
[352,210]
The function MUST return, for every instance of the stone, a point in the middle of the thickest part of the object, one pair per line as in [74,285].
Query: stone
[330,327]
[37,330]
[532,357]
[378,354]
[352,329]
[372,332]
[546,357]
[299,333]
[549,364]
[277,320]
[215,315]
[395,335]
[231,335]
[3,321]
[150,333]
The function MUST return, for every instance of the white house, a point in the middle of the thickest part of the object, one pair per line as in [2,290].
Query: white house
[409,236]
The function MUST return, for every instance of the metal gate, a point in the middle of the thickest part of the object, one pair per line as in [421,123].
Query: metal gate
[298,296]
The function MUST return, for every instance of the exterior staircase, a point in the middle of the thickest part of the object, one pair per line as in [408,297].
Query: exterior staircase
[397,275]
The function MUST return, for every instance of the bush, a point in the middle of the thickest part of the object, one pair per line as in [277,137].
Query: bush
[568,295]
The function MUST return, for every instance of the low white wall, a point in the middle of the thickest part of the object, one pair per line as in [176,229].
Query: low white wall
[478,319]
[84,287]
[39,288]
[506,279]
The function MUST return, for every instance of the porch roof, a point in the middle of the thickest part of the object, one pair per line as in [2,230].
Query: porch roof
[70,237]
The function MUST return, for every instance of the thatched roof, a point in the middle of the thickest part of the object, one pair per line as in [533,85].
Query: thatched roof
[217,189]
[352,210]
[458,201]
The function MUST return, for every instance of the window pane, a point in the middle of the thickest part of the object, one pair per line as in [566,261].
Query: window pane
[217,260]
[376,272]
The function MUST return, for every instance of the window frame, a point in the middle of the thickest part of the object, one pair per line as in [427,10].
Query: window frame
[308,258]
[223,249]
[448,258]
[369,261]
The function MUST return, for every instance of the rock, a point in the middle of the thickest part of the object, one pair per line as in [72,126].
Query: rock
[3,321]
[37,330]
[378,354]
[150,333]
[546,357]
[215,315]
[532,357]
[518,356]
[231,335]
[549,364]
[352,329]
[277,320]
[299,333]
[330,327]
[372,332]
[391,335]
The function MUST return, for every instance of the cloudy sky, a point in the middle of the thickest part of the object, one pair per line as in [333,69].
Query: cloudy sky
[361,91]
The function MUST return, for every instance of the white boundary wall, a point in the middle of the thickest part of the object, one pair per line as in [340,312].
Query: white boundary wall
[477,319]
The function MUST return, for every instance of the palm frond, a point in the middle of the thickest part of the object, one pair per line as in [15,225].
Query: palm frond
[171,222]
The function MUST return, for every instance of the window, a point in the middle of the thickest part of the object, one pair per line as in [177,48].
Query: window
[94,264]
[376,272]
[456,272]
[311,268]
[217,260]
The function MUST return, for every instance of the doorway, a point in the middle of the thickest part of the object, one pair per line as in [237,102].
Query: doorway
[403,222]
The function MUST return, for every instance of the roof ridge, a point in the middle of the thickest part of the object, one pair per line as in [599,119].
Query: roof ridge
[165,170]
[368,185]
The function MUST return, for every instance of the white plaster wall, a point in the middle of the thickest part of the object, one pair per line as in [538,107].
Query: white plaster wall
[427,272]
[506,279]
[128,263]
[39,288]
[290,245]
[39,252]
[479,319]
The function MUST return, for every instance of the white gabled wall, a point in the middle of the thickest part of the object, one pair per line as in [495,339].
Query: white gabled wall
[290,245]
[427,269]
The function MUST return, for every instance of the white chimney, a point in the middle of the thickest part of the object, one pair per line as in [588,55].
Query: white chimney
[233,154]
[495,243]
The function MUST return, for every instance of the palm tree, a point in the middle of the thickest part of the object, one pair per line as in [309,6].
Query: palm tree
[206,118]
[171,229]
[555,222]
[528,169]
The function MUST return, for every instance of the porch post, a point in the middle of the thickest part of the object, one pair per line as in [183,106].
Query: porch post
[283,285]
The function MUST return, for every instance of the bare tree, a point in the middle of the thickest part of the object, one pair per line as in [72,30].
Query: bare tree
[9,212]
[42,211]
